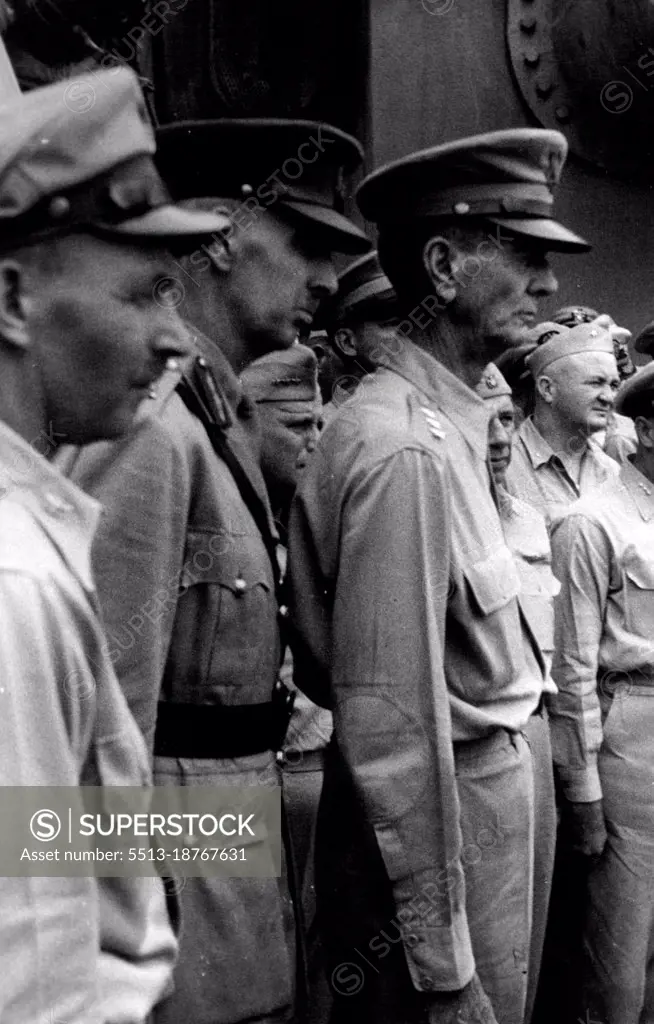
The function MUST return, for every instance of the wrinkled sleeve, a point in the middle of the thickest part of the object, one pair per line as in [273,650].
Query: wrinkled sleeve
[392,720]
[581,559]
[143,486]
[50,926]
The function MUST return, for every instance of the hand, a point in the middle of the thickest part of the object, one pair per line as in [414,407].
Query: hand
[586,827]
[469,1005]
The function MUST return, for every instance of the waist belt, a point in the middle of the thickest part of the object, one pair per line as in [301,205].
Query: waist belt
[216,731]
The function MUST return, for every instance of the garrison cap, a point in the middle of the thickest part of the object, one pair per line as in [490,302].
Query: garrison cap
[635,396]
[570,341]
[363,288]
[644,342]
[290,375]
[78,154]
[291,167]
[492,384]
[505,177]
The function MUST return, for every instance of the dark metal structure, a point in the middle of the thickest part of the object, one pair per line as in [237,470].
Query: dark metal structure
[401,75]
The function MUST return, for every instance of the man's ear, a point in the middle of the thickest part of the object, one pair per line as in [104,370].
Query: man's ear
[439,260]
[14,305]
[545,388]
[645,431]
[345,343]
[221,250]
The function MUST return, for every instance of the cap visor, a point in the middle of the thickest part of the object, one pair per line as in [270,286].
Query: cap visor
[169,222]
[556,237]
[343,235]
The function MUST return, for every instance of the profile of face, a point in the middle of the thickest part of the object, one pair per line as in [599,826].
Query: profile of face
[499,288]
[290,432]
[280,274]
[580,390]
[501,429]
[98,328]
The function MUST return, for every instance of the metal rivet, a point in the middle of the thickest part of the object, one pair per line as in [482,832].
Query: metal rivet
[531,57]
[240,585]
[563,114]
[544,87]
[246,190]
[59,207]
[172,363]
[462,208]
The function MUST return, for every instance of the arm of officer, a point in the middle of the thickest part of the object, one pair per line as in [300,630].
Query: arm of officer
[50,926]
[143,484]
[390,699]
[581,559]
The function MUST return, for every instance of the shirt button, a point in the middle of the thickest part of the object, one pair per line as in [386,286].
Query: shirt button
[240,586]
[283,611]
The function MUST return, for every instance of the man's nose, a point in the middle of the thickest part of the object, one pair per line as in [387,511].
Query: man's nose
[607,395]
[170,337]
[544,281]
[323,281]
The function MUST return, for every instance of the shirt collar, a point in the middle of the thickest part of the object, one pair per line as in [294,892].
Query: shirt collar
[640,488]
[230,385]
[67,515]
[538,449]
[460,404]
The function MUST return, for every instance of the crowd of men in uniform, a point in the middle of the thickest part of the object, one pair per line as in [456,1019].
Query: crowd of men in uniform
[400,568]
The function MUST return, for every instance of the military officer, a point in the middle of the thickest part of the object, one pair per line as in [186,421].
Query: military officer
[364,303]
[186,554]
[602,724]
[526,535]
[85,225]
[575,378]
[404,597]
[284,386]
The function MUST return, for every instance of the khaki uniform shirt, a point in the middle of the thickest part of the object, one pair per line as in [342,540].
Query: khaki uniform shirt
[526,535]
[603,552]
[188,595]
[538,476]
[80,950]
[403,593]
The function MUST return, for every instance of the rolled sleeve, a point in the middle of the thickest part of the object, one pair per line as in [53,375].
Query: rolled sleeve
[581,556]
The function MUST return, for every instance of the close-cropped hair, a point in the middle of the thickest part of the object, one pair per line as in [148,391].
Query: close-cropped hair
[401,246]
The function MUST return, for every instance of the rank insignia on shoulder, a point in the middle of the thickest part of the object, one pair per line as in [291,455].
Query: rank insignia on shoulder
[433,423]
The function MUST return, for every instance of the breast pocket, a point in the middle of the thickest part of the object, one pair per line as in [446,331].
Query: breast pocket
[226,642]
[639,595]
[493,582]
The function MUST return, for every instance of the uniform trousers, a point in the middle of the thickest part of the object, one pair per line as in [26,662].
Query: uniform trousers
[495,780]
[237,953]
[303,777]
[537,733]
[618,982]
[496,792]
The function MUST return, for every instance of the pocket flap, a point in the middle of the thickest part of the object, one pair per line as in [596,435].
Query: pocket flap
[238,562]
[493,581]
